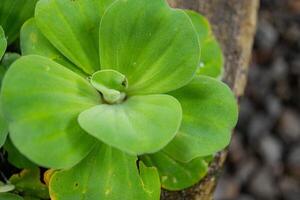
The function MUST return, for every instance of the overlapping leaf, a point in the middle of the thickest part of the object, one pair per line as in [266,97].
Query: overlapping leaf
[107,174]
[211,63]
[209,114]
[16,158]
[28,183]
[141,124]
[3,128]
[73,28]
[9,196]
[33,42]
[147,43]
[3,42]
[43,99]
[3,125]
[175,175]
[13,13]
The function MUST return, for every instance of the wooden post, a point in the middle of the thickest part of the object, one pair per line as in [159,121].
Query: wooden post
[234,24]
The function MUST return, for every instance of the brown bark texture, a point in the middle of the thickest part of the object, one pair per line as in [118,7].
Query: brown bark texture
[234,24]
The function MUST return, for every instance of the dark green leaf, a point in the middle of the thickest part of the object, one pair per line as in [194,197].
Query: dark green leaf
[13,13]
[16,158]
[3,42]
[9,196]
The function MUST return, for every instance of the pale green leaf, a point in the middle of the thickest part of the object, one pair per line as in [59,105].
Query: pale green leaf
[209,114]
[6,187]
[73,28]
[106,173]
[41,101]
[201,25]
[28,183]
[33,42]
[175,175]
[147,42]
[13,13]
[141,124]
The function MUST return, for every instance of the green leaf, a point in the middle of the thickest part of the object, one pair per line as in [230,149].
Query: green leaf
[176,175]
[150,120]
[33,42]
[13,13]
[16,158]
[212,60]
[209,114]
[106,173]
[3,42]
[3,127]
[28,183]
[73,28]
[201,25]
[30,198]
[147,42]
[9,196]
[41,101]
[8,59]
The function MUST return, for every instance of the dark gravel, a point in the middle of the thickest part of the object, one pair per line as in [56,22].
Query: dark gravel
[264,157]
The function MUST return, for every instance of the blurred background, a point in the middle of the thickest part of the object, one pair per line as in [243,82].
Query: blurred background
[264,157]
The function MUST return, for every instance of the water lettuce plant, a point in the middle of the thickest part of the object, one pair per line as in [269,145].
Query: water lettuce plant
[117,97]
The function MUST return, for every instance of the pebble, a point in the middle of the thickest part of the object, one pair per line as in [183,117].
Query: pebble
[289,125]
[293,161]
[271,149]
[263,185]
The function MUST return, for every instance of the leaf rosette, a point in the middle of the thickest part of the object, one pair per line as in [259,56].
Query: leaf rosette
[104,82]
